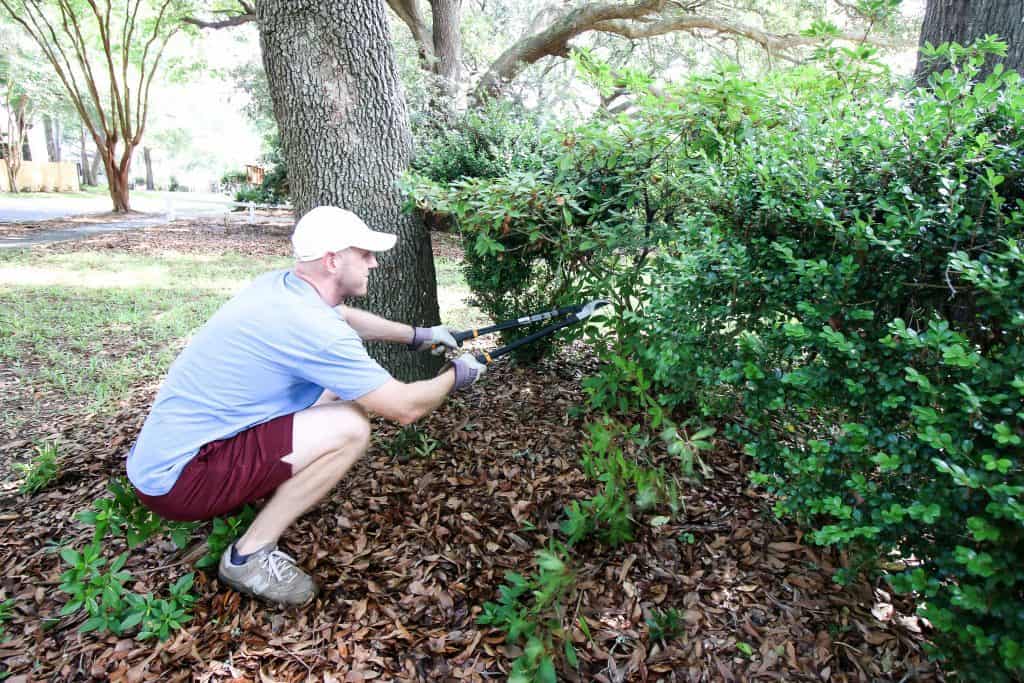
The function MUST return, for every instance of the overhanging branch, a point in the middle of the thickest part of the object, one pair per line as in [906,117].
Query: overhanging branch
[635,21]
[771,42]
[245,16]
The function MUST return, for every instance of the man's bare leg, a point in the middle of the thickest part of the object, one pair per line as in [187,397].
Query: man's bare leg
[327,439]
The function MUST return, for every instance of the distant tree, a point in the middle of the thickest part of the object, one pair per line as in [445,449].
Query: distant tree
[105,55]
[964,21]
[18,108]
[25,89]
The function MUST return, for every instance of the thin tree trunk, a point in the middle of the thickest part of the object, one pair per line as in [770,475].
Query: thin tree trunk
[94,169]
[52,130]
[964,22]
[83,155]
[346,139]
[149,168]
[26,149]
[12,173]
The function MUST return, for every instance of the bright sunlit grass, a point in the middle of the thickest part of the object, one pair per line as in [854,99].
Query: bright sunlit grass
[93,325]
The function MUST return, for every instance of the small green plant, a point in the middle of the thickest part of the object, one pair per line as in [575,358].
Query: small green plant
[124,514]
[746,649]
[5,615]
[101,591]
[42,469]
[531,611]
[225,531]
[159,617]
[410,441]
[96,588]
[630,489]
[665,625]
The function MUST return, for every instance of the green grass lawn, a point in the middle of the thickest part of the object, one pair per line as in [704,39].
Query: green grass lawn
[91,325]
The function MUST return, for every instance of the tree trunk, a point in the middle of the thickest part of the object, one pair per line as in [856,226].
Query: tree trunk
[447,15]
[149,168]
[346,139]
[12,172]
[87,177]
[964,21]
[94,169]
[117,175]
[52,130]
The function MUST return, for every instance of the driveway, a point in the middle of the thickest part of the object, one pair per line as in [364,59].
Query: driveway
[26,207]
[157,208]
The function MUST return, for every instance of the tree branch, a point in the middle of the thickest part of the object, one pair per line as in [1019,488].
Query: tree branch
[247,15]
[771,42]
[636,20]
[409,12]
[554,40]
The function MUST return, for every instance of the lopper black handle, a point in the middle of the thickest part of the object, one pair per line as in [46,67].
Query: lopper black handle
[490,356]
[514,322]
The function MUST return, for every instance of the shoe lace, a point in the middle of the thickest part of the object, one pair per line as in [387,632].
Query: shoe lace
[281,565]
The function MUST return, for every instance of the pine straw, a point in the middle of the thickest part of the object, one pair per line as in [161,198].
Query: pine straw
[406,554]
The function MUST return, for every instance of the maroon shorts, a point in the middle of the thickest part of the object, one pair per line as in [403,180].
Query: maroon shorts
[228,473]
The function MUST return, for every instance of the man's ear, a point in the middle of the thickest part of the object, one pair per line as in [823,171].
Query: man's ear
[330,261]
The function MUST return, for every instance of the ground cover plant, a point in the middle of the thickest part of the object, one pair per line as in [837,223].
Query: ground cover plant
[827,264]
[412,547]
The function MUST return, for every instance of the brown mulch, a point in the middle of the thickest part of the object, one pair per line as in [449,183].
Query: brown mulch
[407,550]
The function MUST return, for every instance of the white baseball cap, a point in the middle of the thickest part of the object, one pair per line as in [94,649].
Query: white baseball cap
[329,229]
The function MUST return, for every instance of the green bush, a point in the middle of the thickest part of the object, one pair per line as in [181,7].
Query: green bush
[485,142]
[846,287]
[830,264]
[576,219]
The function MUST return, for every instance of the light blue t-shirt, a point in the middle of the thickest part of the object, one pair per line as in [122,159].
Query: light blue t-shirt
[269,351]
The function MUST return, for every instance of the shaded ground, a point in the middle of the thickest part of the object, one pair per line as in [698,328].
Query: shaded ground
[409,547]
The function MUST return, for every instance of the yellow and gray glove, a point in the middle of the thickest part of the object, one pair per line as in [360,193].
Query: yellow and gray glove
[434,339]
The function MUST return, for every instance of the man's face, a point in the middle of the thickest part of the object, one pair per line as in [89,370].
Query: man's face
[352,270]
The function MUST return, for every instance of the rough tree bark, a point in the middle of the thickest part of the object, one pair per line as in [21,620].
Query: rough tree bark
[346,139]
[964,21]
[149,168]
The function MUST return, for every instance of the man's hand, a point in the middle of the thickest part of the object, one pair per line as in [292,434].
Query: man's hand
[435,339]
[467,370]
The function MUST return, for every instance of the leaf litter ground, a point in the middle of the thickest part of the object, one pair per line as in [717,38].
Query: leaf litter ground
[408,549]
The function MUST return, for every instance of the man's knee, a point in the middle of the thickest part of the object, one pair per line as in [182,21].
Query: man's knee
[351,431]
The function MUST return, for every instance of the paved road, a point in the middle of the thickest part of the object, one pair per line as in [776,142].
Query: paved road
[26,208]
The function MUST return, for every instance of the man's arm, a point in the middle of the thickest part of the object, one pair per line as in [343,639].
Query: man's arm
[372,327]
[407,402]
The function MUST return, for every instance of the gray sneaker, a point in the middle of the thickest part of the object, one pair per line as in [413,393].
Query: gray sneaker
[268,574]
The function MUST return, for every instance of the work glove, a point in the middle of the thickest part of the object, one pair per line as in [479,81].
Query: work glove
[467,370]
[435,339]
